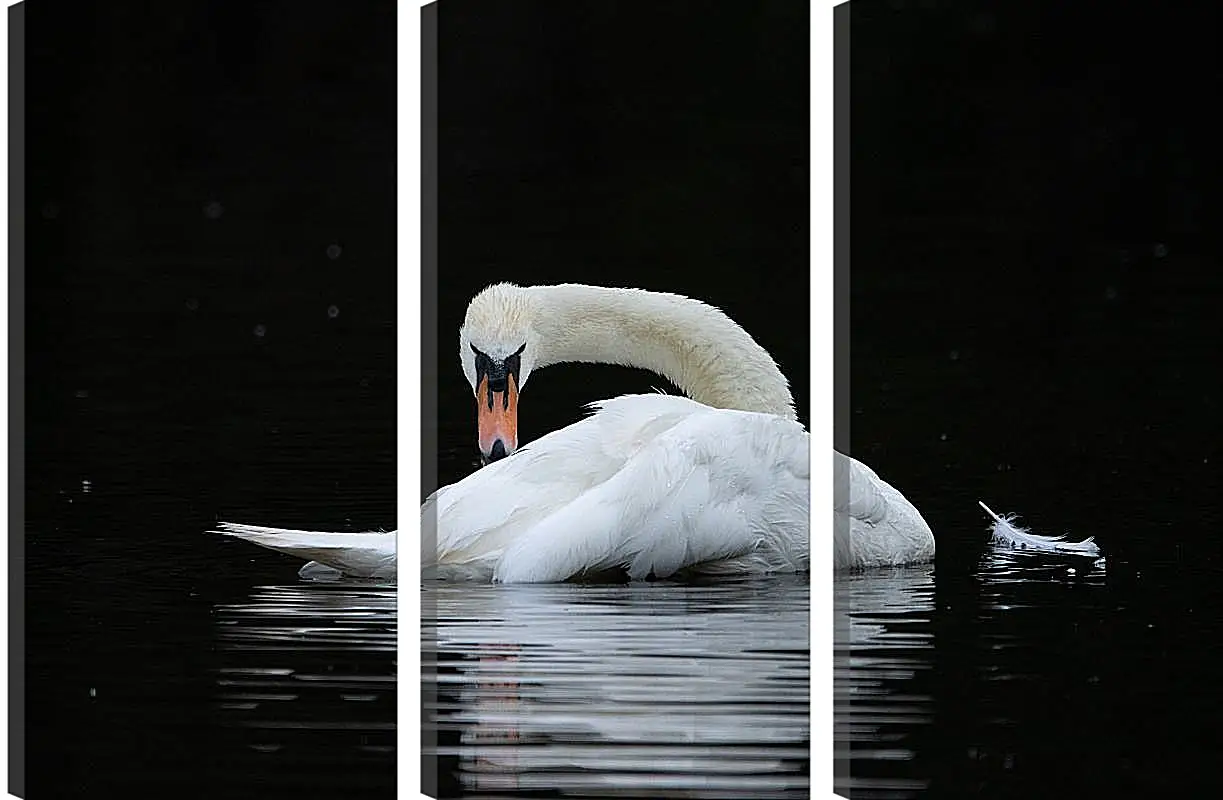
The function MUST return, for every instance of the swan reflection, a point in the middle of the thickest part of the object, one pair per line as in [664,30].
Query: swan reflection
[638,689]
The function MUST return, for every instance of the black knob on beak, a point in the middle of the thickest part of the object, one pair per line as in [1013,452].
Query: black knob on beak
[498,451]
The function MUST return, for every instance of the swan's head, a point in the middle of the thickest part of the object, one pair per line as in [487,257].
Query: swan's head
[498,350]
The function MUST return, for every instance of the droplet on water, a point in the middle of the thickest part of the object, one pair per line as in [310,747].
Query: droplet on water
[334,251]
[333,311]
[213,210]
[260,330]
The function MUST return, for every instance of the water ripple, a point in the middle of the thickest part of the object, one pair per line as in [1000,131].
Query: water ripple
[622,691]
[307,676]
[906,665]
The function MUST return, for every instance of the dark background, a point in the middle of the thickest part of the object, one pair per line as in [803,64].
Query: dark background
[1035,264]
[1035,287]
[633,144]
[194,171]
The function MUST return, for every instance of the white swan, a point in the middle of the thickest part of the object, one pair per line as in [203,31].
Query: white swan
[651,484]
[716,482]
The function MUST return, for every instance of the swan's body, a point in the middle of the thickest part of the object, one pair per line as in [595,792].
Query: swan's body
[716,482]
[661,484]
[650,484]
[874,525]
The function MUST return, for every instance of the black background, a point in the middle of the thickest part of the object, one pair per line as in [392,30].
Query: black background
[139,121]
[189,165]
[1035,266]
[621,144]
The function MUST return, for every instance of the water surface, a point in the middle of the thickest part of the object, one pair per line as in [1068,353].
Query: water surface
[310,661]
[1026,675]
[639,690]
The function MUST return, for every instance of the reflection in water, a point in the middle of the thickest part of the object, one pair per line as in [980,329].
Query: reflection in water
[891,708]
[883,641]
[307,675]
[639,690]
[1004,565]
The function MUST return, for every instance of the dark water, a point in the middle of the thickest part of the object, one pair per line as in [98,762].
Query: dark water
[648,690]
[1091,412]
[308,678]
[1035,676]
[889,702]
[983,677]
[164,659]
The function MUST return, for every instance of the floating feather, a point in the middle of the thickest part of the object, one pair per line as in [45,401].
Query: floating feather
[1006,532]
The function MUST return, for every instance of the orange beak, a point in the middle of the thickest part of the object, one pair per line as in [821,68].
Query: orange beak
[497,419]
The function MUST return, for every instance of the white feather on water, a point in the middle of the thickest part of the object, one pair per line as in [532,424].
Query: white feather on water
[1005,532]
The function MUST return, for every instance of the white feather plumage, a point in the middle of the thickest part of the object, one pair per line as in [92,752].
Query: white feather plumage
[1005,532]
[874,525]
[650,484]
[359,555]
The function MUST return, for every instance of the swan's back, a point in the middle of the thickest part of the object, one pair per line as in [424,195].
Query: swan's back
[652,484]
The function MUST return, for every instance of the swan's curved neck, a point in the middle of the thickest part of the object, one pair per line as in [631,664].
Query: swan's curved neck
[695,346]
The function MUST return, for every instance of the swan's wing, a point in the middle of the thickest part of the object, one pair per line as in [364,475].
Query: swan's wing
[716,485]
[874,524]
[362,555]
[859,492]
[474,520]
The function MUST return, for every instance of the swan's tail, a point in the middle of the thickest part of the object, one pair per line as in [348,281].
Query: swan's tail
[1006,532]
[361,555]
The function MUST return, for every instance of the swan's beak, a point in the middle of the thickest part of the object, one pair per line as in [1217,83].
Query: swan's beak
[497,418]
